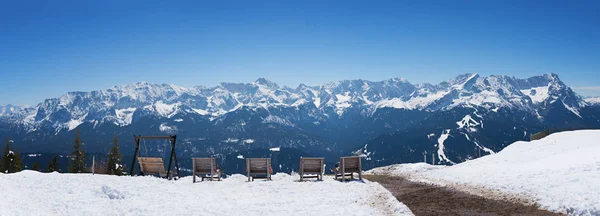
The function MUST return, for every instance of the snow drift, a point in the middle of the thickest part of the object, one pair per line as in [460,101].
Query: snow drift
[561,173]
[34,193]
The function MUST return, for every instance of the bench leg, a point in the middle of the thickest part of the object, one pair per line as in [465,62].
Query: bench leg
[194,178]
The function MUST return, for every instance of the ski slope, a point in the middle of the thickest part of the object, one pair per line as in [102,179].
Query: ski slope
[33,193]
[560,173]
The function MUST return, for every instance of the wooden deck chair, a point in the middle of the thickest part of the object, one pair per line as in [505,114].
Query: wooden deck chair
[313,167]
[258,168]
[153,166]
[348,166]
[206,166]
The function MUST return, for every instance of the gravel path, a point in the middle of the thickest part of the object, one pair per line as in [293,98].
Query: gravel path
[423,199]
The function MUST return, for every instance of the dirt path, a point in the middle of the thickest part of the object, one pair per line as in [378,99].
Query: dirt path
[423,199]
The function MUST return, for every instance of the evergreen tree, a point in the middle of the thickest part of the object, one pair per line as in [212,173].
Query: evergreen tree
[114,166]
[36,167]
[18,162]
[77,164]
[53,165]
[11,160]
[5,157]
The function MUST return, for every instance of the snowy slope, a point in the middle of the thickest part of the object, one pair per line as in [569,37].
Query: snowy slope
[33,193]
[561,173]
[593,100]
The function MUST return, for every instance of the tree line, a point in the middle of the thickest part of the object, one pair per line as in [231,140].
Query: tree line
[12,162]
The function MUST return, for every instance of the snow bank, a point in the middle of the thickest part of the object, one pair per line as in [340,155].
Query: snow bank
[561,173]
[34,193]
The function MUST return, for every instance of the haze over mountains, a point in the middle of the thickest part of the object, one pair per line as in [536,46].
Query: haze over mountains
[388,121]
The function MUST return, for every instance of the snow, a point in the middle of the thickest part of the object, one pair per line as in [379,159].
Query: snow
[467,122]
[343,102]
[593,100]
[201,111]
[85,194]
[317,101]
[124,116]
[277,120]
[164,110]
[166,128]
[440,151]
[165,100]
[276,149]
[430,135]
[559,173]
[573,110]
[231,140]
[74,123]
[240,156]
[537,94]
[248,141]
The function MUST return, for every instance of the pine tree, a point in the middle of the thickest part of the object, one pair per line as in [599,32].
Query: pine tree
[11,160]
[17,166]
[36,167]
[77,164]
[5,157]
[53,165]
[114,166]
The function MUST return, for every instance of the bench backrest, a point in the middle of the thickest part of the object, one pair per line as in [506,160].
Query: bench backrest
[151,165]
[204,164]
[258,165]
[351,163]
[314,165]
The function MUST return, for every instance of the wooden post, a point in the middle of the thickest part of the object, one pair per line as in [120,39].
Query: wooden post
[248,167]
[343,170]
[135,154]
[360,168]
[172,140]
[194,170]
[269,169]
[322,169]
[301,168]
[93,164]
[212,172]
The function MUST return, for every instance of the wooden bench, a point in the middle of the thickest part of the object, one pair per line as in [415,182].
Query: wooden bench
[312,167]
[153,166]
[206,166]
[348,166]
[258,168]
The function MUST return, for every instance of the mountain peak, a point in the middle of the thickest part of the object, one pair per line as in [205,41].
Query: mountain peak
[266,82]
[464,78]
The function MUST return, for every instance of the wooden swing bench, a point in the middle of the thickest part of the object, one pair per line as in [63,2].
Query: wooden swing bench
[153,166]
[348,166]
[311,168]
[258,168]
[204,167]
[156,165]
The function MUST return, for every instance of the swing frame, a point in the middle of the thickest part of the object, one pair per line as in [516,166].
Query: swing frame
[172,139]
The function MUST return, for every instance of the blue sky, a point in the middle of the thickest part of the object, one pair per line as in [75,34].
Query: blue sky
[48,48]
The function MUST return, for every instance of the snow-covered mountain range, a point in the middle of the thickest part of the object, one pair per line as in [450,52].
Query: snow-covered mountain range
[389,121]
[118,105]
